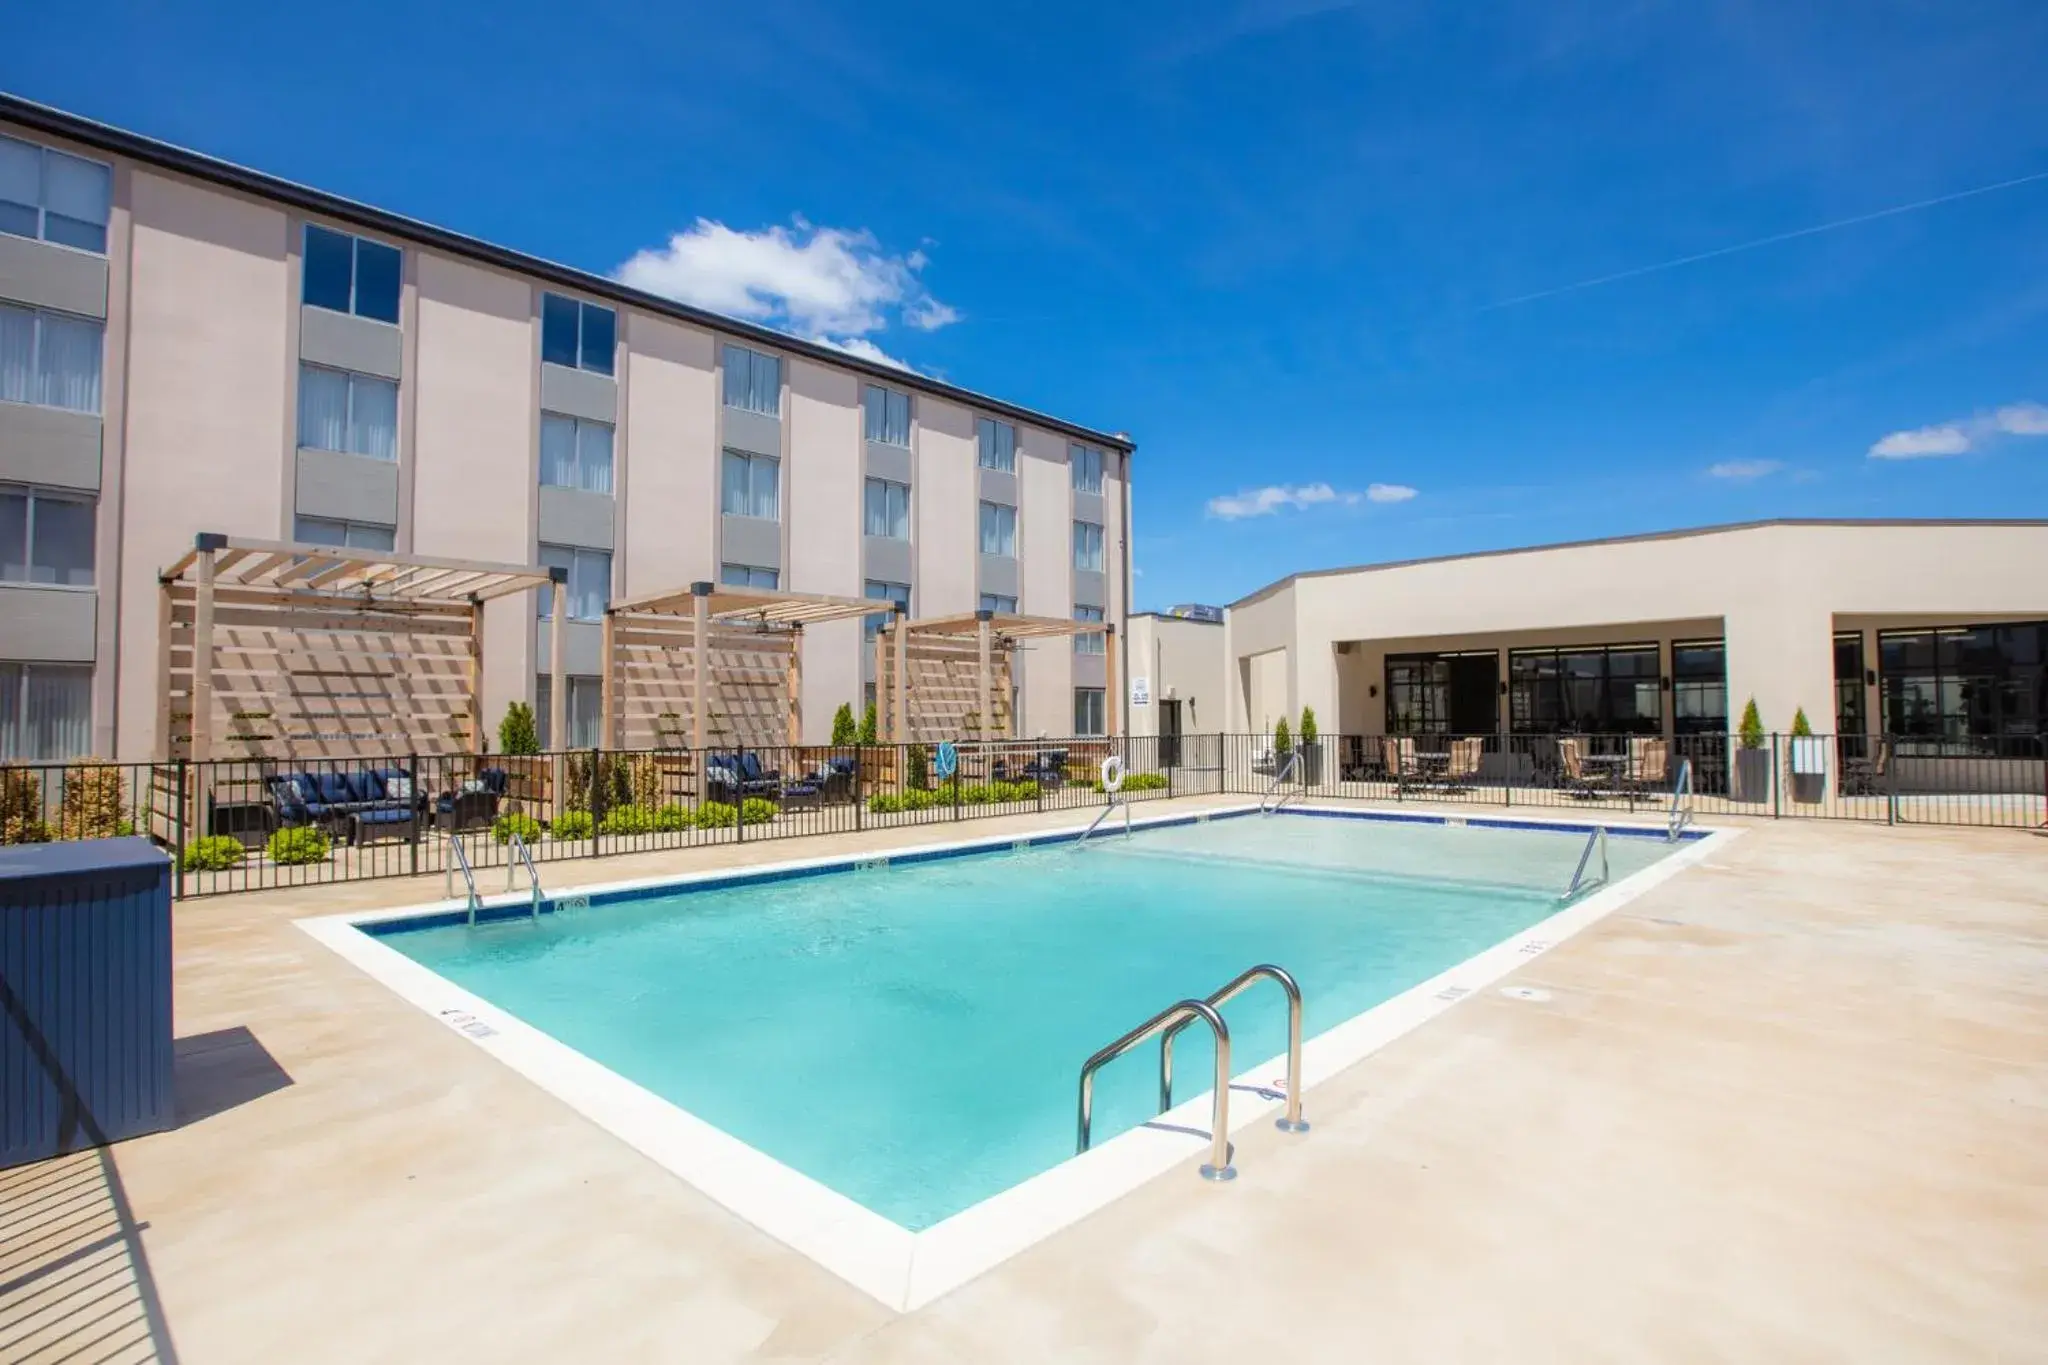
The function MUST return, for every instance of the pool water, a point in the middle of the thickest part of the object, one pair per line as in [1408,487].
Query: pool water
[912,1036]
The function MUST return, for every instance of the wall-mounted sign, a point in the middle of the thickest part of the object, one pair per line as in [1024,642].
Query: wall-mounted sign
[1141,691]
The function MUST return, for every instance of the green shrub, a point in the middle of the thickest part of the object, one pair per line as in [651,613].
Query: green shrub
[884,803]
[517,732]
[716,815]
[916,773]
[627,819]
[93,807]
[299,844]
[979,794]
[866,734]
[1801,727]
[672,818]
[215,853]
[512,822]
[21,808]
[1137,782]
[1283,743]
[574,824]
[757,810]
[844,730]
[1027,790]
[1752,727]
[1308,725]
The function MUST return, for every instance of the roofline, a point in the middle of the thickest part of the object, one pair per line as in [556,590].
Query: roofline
[1169,616]
[1680,534]
[120,142]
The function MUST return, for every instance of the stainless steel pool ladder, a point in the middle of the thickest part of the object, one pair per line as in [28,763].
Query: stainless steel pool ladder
[1285,771]
[1103,814]
[1598,838]
[1289,1122]
[1681,802]
[461,860]
[532,876]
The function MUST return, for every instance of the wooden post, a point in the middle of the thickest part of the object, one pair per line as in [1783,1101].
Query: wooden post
[881,685]
[981,641]
[899,702]
[163,672]
[477,742]
[1112,700]
[796,686]
[558,686]
[607,687]
[700,660]
[202,650]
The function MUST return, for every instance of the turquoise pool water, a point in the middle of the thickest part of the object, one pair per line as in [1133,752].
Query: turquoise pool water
[912,1036]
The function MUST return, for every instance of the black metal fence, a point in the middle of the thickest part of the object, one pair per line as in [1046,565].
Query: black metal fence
[234,825]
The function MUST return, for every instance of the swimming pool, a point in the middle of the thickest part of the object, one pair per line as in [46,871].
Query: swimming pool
[908,1034]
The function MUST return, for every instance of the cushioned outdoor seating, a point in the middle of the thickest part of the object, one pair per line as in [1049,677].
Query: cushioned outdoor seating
[472,805]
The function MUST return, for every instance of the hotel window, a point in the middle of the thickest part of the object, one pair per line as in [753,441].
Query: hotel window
[45,712]
[879,591]
[347,274]
[1966,690]
[753,381]
[1088,546]
[1091,643]
[353,535]
[997,443]
[999,530]
[1088,712]
[590,581]
[999,604]
[749,576]
[1590,690]
[1699,687]
[575,453]
[1849,703]
[888,415]
[50,359]
[1085,463]
[886,509]
[53,196]
[1418,694]
[46,538]
[582,336]
[586,705]
[353,413]
[750,486]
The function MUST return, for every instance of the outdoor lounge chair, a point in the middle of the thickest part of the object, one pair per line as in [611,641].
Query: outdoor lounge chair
[1571,761]
[1649,765]
[1463,768]
[1866,776]
[1398,757]
[1048,769]
[734,777]
[473,805]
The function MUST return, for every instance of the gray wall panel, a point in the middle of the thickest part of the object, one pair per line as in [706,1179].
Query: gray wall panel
[347,342]
[571,516]
[996,486]
[1091,670]
[579,393]
[1090,590]
[998,575]
[750,540]
[1088,507]
[752,432]
[52,277]
[582,649]
[47,625]
[887,559]
[351,487]
[49,446]
[888,462]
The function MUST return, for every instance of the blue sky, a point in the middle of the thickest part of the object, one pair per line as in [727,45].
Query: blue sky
[1272,241]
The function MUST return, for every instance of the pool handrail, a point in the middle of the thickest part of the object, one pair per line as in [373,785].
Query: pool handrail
[461,860]
[521,855]
[1280,775]
[1104,814]
[1289,1122]
[1681,803]
[1579,883]
[1218,1166]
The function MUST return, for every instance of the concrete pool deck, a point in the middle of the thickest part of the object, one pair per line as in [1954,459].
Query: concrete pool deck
[1792,1104]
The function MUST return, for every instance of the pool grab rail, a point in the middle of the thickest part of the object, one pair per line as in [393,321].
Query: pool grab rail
[1218,1166]
[1681,803]
[461,860]
[1579,883]
[1115,803]
[532,873]
[1285,771]
[1112,785]
[1289,1122]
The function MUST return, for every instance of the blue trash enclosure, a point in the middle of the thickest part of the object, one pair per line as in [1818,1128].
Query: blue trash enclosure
[85,995]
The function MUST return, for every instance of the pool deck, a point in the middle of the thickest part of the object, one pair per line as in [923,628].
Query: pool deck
[1790,1105]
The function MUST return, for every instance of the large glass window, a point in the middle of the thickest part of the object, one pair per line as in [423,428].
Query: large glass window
[1418,694]
[1699,687]
[1084,464]
[749,486]
[1088,711]
[45,712]
[1849,700]
[575,453]
[997,444]
[1970,689]
[582,336]
[1090,643]
[46,538]
[355,413]
[348,274]
[887,415]
[999,530]
[1592,689]
[753,381]
[886,509]
[749,576]
[590,580]
[50,359]
[585,706]
[879,591]
[53,196]
[354,535]
[999,604]
[1088,546]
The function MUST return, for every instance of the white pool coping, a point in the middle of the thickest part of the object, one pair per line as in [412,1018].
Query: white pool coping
[906,1270]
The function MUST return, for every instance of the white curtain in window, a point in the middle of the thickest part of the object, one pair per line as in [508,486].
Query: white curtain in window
[373,417]
[45,712]
[888,416]
[998,443]
[887,509]
[590,584]
[1088,644]
[17,355]
[1086,464]
[13,537]
[21,171]
[998,529]
[323,408]
[68,363]
[585,707]
[593,457]
[749,486]
[557,451]
[63,536]
[1087,546]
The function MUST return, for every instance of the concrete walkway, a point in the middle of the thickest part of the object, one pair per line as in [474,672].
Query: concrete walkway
[1792,1105]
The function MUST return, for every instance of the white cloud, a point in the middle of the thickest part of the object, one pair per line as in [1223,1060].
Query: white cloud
[1744,469]
[1274,497]
[1959,437]
[832,284]
[865,349]
[1388,492]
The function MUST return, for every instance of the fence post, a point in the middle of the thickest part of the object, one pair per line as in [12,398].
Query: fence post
[590,800]
[860,772]
[412,768]
[1777,775]
[184,790]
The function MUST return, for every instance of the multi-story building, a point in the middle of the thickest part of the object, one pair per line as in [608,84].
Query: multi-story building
[188,346]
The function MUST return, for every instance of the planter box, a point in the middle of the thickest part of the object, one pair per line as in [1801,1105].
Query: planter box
[1753,775]
[1310,770]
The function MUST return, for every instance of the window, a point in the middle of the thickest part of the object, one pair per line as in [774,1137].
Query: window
[1088,711]
[1591,690]
[999,530]
[997,603]
[45,712]
[50,359]
[53,196]
[887,509]
[1088,546]
[586,704]
[1966,690]
[1849,683]
[1085,465]
[898,593]
[753,381]
[749,486]
[1089,644]
[1418,694]
[1699,687]
[590,580]
[998,444]
[580,335]
[45,538]
[346,274]
[749,576]
[356,413]
[355,535]
[575,453]
[888,415]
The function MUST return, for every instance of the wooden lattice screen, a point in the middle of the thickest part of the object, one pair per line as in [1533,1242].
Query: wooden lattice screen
[752,679]
[944,691]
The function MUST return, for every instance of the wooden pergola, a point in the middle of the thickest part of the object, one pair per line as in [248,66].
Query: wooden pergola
[995,636]
[736,641]
[332,651]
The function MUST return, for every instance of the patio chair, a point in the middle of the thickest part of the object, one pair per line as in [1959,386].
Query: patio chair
[1649,765]
[1466,755]
[473,805]
[1398,758]
[1571,762]
[1865,776]
[1265,763]
[1048,769]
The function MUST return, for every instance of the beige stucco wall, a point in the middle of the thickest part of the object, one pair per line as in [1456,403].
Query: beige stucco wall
[822,507]
[1180,660]
[671,411]
[1045,542]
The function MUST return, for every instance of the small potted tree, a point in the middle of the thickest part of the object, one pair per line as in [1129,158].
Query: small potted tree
[1311,749]
[1809,761]
[1752,764]
[1283,745]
